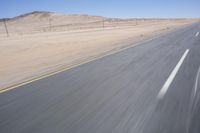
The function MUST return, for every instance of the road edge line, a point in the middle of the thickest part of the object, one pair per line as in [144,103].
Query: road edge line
[196,81]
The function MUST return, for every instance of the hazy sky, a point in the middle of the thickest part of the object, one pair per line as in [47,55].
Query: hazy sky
[109,8]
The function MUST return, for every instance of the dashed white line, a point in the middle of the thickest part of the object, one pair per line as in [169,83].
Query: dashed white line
[197,34]
[196,82]
[172,76]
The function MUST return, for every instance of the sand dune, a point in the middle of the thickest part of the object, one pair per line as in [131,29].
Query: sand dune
[42,21]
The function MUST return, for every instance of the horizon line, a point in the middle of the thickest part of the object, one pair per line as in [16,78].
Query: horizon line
[43,11]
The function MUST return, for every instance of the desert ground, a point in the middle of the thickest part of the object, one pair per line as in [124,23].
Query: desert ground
[41,42]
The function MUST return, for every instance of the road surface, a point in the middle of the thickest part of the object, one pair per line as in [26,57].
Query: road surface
[151,88]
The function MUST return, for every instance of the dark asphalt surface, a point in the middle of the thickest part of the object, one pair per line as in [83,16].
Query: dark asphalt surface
[115,94]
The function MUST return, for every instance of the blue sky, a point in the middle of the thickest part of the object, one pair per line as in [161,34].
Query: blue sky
[108,8]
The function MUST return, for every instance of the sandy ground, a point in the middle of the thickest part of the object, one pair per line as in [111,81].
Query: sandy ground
[23,57]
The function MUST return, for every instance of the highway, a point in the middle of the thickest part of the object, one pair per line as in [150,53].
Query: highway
[153,87]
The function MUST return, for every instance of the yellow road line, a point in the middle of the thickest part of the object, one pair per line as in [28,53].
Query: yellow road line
[68,68]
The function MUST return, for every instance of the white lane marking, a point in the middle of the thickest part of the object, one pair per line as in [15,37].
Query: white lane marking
[197,34]
[172,76]
[196,82]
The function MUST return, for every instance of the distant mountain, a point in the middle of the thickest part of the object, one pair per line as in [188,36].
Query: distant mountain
[44,15]
[42,20]
[33,14]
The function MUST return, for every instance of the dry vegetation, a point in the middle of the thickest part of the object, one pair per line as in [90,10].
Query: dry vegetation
[42,42]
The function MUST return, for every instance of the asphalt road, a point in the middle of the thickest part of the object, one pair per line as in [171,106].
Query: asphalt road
[151,88]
